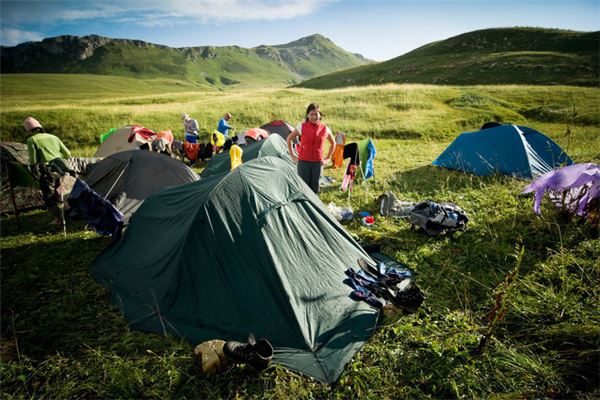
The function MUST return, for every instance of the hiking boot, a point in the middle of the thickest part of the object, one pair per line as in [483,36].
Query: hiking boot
[256,354]
[408,296]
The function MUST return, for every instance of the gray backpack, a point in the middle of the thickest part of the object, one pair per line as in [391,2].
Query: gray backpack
[434,218]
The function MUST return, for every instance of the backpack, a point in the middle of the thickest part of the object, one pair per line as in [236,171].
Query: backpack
[436,218]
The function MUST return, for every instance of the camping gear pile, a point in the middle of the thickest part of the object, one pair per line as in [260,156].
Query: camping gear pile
[340,213]
[575,188]
[433,218]
[384,280]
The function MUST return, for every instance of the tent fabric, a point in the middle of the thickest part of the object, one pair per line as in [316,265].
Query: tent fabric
[127,178]
[273,146]
[116,142]
[246,254]
[507,149]
[14,171]
[13,151]
[280,127]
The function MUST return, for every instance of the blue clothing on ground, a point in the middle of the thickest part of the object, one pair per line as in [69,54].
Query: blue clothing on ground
[223,127]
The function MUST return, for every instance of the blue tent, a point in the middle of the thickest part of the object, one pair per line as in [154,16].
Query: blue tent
[507,149]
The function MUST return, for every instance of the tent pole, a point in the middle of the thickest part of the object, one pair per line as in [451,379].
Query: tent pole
[116,180]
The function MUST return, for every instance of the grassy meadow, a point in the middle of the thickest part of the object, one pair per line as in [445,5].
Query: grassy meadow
[62,338]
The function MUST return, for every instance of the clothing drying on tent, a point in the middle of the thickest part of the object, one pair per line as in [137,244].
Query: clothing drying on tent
[279,127]
[251,251]
[351,152]
[338,153]
[127,178]
[507,150]
[575,188]
[256,134]
[235,155]
[367,151]
[273,146]
[362,156]
[98,212]
[106,135]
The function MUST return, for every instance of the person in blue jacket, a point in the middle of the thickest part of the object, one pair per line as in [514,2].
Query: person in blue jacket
[223,126]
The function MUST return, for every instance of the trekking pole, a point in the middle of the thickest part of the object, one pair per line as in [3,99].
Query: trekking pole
[14,202]
[62,213]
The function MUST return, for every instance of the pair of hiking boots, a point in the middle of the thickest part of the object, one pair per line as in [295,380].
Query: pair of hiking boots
[257,354]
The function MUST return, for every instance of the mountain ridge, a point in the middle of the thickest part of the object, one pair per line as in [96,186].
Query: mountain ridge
[213,65]
[519,55]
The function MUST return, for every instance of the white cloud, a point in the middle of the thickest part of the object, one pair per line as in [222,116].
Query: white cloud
[156,12]
[12,37]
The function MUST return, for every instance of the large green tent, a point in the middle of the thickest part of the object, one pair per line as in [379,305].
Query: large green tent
[250,251]
[274,146]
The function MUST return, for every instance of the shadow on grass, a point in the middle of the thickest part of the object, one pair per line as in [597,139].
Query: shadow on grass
[50,302]
[36,222]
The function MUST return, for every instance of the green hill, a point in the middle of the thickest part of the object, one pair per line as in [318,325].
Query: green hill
[204,65]
[490,56]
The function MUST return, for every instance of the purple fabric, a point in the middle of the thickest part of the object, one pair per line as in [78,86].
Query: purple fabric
[572,187]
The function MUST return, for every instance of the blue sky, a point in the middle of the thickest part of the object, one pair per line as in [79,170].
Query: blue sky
[377,29]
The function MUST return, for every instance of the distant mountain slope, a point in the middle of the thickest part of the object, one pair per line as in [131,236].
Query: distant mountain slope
[217,66]
[490,56]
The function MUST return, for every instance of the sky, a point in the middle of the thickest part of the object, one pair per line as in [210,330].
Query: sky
[377,29]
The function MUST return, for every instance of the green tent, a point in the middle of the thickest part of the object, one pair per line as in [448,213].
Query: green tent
[274,146]
[250,251]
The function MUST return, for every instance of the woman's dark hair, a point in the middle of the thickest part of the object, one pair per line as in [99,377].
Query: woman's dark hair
[312,107]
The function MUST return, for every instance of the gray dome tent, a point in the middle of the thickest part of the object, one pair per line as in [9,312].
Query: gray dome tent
[279,127]
[127,178]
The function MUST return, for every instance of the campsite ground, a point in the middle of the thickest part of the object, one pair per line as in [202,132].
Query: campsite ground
[62,338]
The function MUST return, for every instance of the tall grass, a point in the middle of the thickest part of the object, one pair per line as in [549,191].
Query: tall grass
[62,338]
